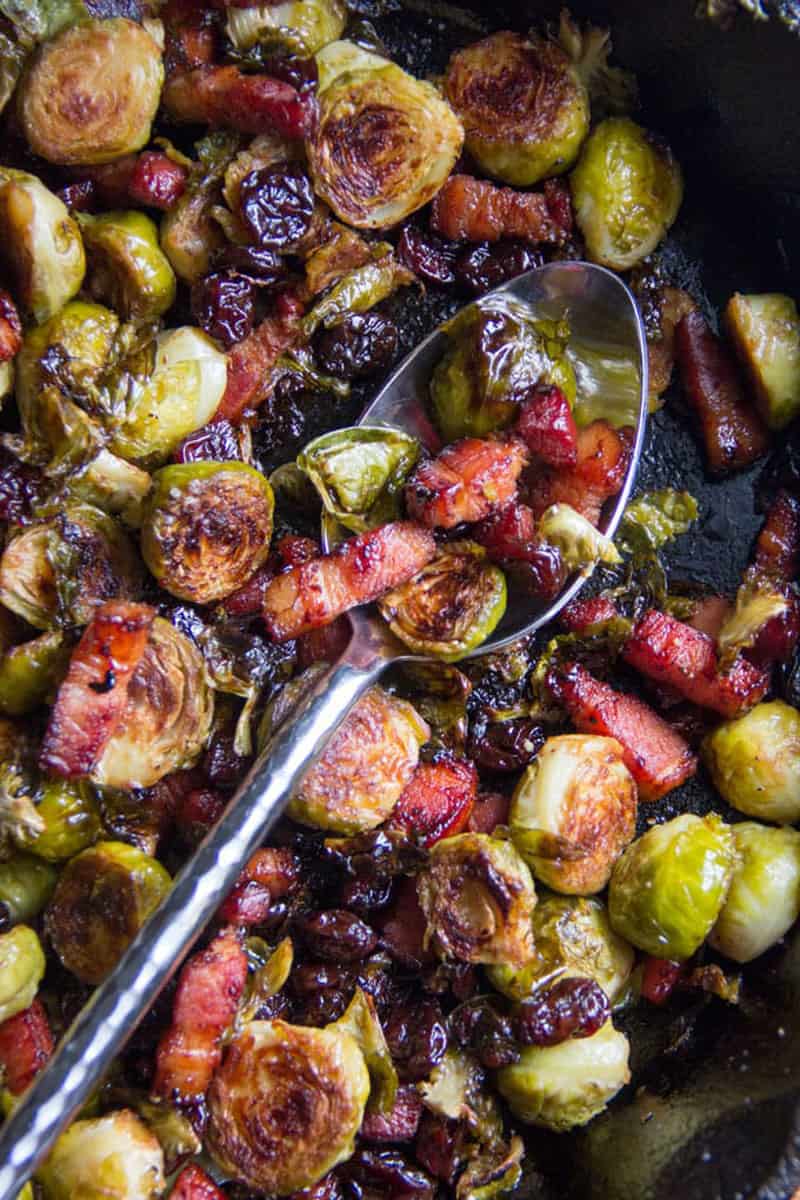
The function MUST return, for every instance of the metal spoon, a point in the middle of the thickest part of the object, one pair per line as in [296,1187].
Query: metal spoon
[607,347]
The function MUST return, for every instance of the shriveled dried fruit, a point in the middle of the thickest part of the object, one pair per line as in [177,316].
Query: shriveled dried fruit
[276,204]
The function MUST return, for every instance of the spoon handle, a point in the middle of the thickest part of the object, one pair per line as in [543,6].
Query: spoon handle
[110,1016]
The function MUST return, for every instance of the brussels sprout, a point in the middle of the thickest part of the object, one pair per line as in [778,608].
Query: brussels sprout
[12,60]
[451,606]
[168,714]
[22,966]
[189,235]
[367,764]
[182,394]
[567,1085]
[344,58]
[478,897]
[127,268]
[357,292]
[495,353]
[574,812]
[91,93]
[40,243]
[293,27]
[578,542]
[754,762]
[267,979]
[69,816]
[7,375]
[571,936]
[103,897]
[626,192]
[115,1157]
[655,518]
[763,901]
[524,107]
[31,672]
[668,888]
[380,180]
[360,1020]
[360,472]
[114,485]
[766,333]
[27,582]
[286,1105]
[26,885]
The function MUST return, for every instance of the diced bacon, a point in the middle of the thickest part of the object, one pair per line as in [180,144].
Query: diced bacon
[91,700]
[438,800]
[779,636]
[777,552]
[226,96]
[474,210]
[581,615]
[197,812]
[26,1044]
[657,757]
[194,1184]
[489,811]
[356,572]
[672,653]
[399,1125]
[293,551]
[325,644]
[709,615]
[466,482]
[269,875]
[548,428]
[403,928]
[674,304]
[251,362]
[157,181]
[249,598]
[603,457]
[10,328]
[208,994]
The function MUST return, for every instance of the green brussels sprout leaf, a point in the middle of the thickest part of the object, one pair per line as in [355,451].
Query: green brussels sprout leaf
[359,473]
[579,543]
[655,518]
[757,602]
[266,980]
[360,1020]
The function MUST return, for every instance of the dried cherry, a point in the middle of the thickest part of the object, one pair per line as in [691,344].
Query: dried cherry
[429,256]
[417,1038]
[484,267]
[358,345]
[383,1173]
[276,205]
[157,181]
[223,304]
[20,487]
[259,264]
[504,745]
[218,442]
[571,1008]
[336,935]
[78,196]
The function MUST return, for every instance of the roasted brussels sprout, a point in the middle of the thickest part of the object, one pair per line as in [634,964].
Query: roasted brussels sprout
[26,885]
[524,108]
[668,888]
[91,93]
[578,542]
[763,901]
[40,243]
[626,192]
[207,528]
[344,58]
[21,969]
[478,898]
[360,1020]
[286,1105]
[451,605]
[114,485]
[383,145]
[362,773]
[293,27]
[360,472]
[115,1157]
[127,269]
[765,330]
[29,673]
[754,762]
[563,1086]
[168,714]
[69,816]
[571,936]
[103,897]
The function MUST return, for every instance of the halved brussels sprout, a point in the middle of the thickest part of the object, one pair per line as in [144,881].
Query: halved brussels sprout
[571,936]
[754,762]
[286,1105]
[451,606]
[579,543]
[91,93]
[27,582]
[207,528]
[626,192]
[26,885]
[127,269]
[360,472]
[356,292]
[478,898]
[383,145]
[293,27]
[103,897]
[29,673]
[360,1020]
[114,485]
[567,1085]
[69,816]
[524,107]
[115,1157]
[763,901]
[343,57]
[765,330]
[182,394]
[40,243]
[574,812]
[668,888]
[168,714]
[22,966]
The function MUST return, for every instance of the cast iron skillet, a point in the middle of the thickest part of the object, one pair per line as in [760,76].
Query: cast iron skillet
[714,1109]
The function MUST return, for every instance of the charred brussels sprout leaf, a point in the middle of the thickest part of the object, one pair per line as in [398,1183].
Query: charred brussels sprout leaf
[451,606]
[754,762]
[103,897]
[758,601]
[655,518]
[361,1021]
[286,1105]
[41,244]
[30,673]
[91,93]
[26,885]
[763,901]
[360,472]
[127,269]
[578,542]
[668,888]
[115,1157]
[299,27]
[21,970]
[626,191]
[765,330]
[207,528]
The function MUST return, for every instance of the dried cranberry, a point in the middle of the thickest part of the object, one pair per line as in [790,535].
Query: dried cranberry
[429,256]
[363,894]
[223,304]
[484,267]
[10,327]
[301,73]
[542,574]
[337,935]
[309,978]
[78,196]
[417,1038]
[399,1125]
[276,205]
[197,812]
[328,1188]
[20,487]
[218,442]
[441,1146]
[259,264]
[660,977]
[223,766]
[478,1026]
[247,904]
[358,345]
[157,181]
[504,745]
[571,1008]
[322,1007]
[384,1174]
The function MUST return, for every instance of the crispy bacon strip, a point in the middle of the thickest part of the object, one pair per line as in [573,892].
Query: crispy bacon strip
[194,1184]
[357,572]
[250,362]
[657,757]
[547,427]
[209,990]
[269,875]
[674,304]
[225,96]
[438,800]
[403,928]
[603,456]
[26,1043]
[467,481]
[777,552]
[10,328]
[92,698]
[709,615]
[581,615]
[491,810]
[732,431]
[473,210]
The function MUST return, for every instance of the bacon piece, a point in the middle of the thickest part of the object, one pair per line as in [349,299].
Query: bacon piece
[657,757]
[674,304]
[249,598]
[91,700]
[490,810]
[250,362]
[777,552]
[157,181]
[198,810]
[209,990]
[225,96]
[733,433]
[709,615]
[581,615]
[399,1125]
[603,457]
[438,800]
[356,572]
[269,875]
[110,181]
[509,536]
[325,644]
[26,1043]
[10,328]
[675,654]
[293,551]
[467,481]
[403,928]
[190,35]
[548,428]
[474,210]
[194,1184]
